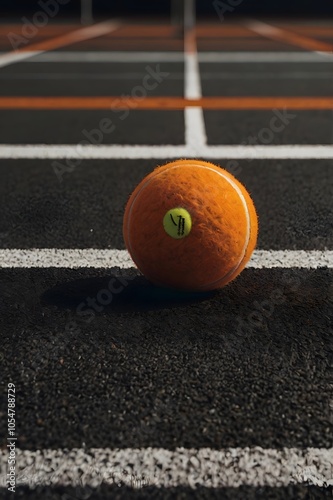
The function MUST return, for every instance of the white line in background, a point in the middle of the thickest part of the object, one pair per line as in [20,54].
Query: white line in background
[192,85]
[106,76]
[159,57]
[106,56]
[269,57]
[130,152]
[195,133]
[107,258]
[159,467]
[264,29]
[14,57]
[282,35]
[68,38]
[217,75]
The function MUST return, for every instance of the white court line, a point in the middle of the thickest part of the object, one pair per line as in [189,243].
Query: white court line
[307,259]
[106,56]
[261,75]
[230,75]
[159,57]
[96,76]
[107,258]
[67,39]
[130,152]
[195,131]
[269,31]
[192,87]
[159,467]
[264,29]
[269,57]
[7,58]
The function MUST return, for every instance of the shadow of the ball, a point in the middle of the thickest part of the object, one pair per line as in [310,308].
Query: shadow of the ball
[127,294]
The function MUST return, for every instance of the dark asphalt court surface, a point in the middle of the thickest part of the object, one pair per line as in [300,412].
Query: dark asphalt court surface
[157,368]
[293,200]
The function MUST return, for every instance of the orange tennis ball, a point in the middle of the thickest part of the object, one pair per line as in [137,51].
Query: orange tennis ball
[190,225]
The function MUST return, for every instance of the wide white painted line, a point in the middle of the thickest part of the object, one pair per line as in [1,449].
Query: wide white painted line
[130,152]
[264,29]
[108,258]
[93,31]
[195,130]
[192,84]
[113,76]
[7,58]
[77,151]
[217,75]
[159,467]
[269,31]
[67,258]
[308,259]
[269,57]
[159,57]
[105,56]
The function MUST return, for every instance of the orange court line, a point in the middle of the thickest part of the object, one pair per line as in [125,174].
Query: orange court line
[237,43]
[146,31]
[111,41]
[309,30]
[206,31]
[119,45]
[124,30]
[162,103]
[288,37]
[49,29]
[128,32]
[203,29]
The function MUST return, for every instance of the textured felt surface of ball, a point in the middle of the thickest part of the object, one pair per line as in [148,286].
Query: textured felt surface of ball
[219,239]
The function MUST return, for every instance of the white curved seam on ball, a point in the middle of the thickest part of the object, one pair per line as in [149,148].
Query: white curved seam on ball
[247,216]
[241,196]
[248,226]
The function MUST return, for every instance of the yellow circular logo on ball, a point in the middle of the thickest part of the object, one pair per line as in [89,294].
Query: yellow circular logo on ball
[177,223]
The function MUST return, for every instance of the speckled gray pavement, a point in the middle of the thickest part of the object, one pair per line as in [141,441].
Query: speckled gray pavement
[126,390]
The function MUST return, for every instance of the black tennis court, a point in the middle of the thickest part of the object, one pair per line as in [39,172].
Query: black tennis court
[113,387]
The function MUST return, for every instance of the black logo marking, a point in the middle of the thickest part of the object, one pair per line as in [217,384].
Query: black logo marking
[175,223]
[181,225]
